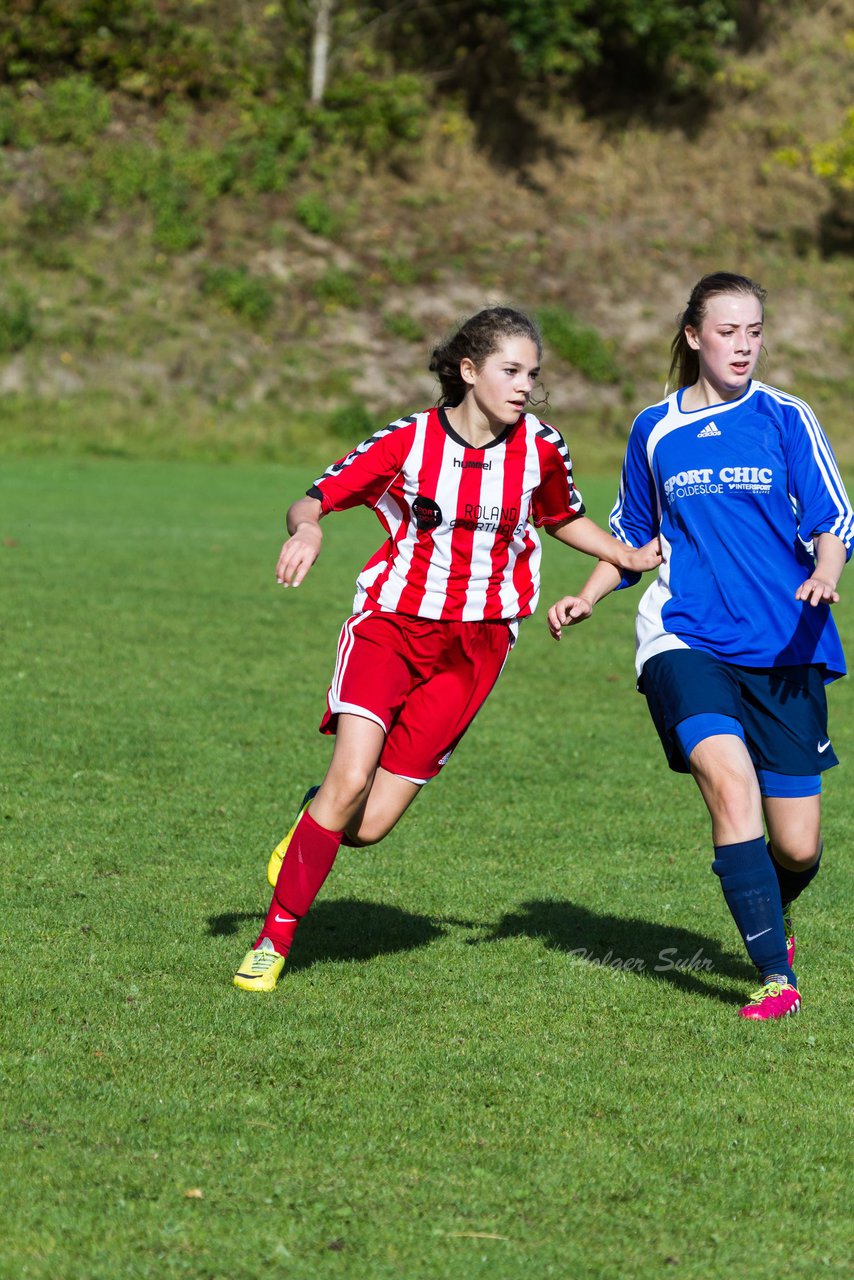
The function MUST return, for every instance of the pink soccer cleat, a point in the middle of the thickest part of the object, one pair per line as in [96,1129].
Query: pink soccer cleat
[776,998]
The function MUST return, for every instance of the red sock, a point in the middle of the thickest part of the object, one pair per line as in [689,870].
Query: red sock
[307,862]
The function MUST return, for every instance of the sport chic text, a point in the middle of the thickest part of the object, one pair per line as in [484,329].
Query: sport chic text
[687,484]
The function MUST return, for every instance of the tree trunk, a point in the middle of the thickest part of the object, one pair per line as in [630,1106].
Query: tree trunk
[320,49]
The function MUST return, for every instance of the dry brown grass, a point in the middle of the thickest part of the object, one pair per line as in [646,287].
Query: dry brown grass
[613,222]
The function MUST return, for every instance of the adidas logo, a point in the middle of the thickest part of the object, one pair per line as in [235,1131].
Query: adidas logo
[710,430]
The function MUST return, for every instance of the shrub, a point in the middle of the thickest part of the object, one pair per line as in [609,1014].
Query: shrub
[315,214]
[17,326]
[241,293]
[373,116]
[579,345]
[400,324]
[71,109]
[403,271]
[833,162]
[153,48]
[66,206]
[177,227]
[352,422]
[337,288]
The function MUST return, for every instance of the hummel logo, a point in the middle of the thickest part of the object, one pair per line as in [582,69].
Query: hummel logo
[750,937]
[822,747]
[711,430]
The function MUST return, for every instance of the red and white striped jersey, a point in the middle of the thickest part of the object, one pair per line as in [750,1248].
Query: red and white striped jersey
[460,521]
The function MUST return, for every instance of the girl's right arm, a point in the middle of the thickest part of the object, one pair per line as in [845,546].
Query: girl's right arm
[570,610]
[302,548]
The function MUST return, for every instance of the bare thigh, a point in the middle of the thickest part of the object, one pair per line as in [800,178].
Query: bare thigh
[724,772]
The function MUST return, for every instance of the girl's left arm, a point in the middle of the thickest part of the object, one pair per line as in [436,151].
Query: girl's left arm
[585,535]
[820,586]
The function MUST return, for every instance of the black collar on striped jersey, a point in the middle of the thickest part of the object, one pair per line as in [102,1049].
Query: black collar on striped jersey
[449,430]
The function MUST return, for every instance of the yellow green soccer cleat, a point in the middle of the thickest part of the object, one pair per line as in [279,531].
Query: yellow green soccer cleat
[277,857]
[260,968]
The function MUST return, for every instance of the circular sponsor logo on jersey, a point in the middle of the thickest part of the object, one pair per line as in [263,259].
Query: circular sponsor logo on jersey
[427,513]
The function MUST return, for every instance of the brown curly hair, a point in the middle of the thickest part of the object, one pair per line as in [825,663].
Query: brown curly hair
[477,339]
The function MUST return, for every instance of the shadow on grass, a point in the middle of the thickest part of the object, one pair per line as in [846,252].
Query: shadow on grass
[642,947]
[344,929]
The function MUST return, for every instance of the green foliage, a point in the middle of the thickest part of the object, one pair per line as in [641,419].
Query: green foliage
[179,169]
[241,293]
[373,115]
[273,141]
[673,40]
[400,324]
[337,288]
[552,40]
[206,50]
[313,211]
[177,224]
[72,109]
[17,322]
[66,206]
[833,161]
[633,49]
[402,271]
[151,48]
[579,345]
[352,422]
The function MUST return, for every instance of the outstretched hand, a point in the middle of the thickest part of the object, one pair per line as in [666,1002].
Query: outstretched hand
[816,591]
[567,612]
[298,554]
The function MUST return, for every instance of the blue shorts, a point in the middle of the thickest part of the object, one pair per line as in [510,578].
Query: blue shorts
[782,710]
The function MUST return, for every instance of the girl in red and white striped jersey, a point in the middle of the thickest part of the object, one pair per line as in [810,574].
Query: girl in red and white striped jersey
[460,491]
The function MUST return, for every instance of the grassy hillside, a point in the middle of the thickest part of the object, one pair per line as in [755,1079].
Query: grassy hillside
[282,323]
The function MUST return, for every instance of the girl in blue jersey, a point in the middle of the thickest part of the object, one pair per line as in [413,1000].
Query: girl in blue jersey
[735,639]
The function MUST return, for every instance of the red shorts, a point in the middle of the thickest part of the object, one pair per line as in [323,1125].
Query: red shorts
[423,681]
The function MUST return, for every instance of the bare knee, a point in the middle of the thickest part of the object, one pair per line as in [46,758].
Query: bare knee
[731,794]
[794,830]
[343,794]
[795,854]
[353,782]
[368,831]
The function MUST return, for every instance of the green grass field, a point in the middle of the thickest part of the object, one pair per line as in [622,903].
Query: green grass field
[454,1079]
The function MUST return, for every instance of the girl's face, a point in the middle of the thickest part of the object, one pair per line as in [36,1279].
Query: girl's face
[502,386]
[728,342]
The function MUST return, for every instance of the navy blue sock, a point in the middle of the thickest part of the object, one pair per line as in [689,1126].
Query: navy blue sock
[750,887]
[793,883]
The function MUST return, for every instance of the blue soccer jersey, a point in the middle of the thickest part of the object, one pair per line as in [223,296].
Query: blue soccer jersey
[737,492]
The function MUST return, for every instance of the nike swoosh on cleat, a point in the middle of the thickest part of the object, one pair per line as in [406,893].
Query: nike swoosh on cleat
[750,937]
[822,747]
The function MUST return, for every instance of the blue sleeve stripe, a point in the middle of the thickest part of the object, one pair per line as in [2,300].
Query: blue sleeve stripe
[615,520]
[843,527]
